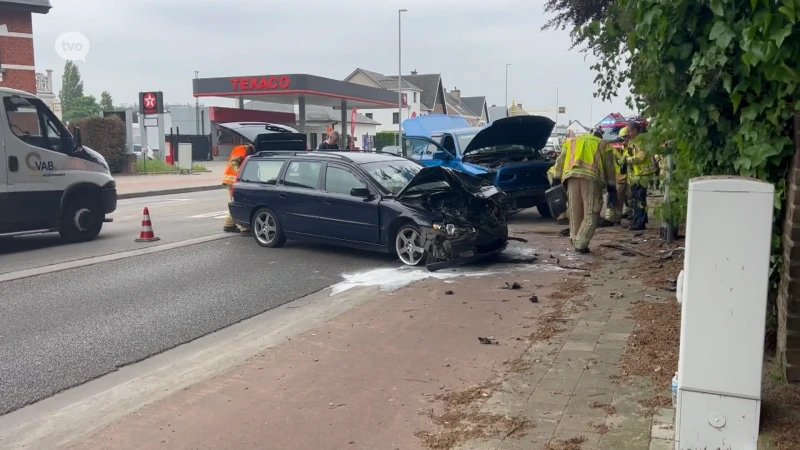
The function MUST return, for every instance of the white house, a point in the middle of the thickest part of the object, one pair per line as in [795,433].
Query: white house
[44,90]
[390,118]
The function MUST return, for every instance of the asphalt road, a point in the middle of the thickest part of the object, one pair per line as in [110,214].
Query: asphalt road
[62,329]
[175,218]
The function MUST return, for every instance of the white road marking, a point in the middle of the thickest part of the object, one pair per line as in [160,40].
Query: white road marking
[211,215]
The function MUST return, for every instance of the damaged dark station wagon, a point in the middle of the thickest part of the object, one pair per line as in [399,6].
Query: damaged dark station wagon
[425,215]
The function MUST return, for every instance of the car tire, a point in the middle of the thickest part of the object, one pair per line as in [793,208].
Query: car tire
[544,210]
[81,220]
[409,233]
[267,229]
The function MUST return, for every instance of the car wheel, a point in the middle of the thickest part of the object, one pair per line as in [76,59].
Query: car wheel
[544,210]
[81,220]
[267,229]
[408,245]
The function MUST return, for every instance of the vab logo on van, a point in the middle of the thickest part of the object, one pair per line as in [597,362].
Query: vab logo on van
[35,163]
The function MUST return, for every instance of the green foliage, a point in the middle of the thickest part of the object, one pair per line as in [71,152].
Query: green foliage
[158,166]
[82,108]
[105,135]
[71,86]
[719,78]
[385,138]
[106,102]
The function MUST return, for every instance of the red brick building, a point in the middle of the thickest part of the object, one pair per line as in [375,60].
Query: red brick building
[17,64]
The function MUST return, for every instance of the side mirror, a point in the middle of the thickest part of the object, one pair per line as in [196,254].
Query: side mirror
[360,192]
[78,141]
[441,156]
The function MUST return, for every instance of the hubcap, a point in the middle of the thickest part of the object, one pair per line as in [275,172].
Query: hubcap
[409,246]
[83,219]
[265,228]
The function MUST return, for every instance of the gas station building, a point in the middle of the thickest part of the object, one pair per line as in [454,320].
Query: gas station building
[300,90]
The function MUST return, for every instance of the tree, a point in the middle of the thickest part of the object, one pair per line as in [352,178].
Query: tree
[83,108]
[574,14]
[106,102]
[71,86]
[718,77]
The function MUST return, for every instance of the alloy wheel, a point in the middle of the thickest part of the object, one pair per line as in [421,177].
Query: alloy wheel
[265,228]
[409,246]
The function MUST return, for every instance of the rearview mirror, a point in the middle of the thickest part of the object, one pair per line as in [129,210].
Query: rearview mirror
[76,133]
[360,192]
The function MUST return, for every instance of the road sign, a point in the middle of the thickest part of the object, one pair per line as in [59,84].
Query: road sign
[151,103]
[562,110]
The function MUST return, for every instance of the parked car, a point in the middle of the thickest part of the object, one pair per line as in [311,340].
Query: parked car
[425,215]
[506,153]
[267,136]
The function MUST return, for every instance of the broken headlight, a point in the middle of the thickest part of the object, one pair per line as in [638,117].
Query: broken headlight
[451,229]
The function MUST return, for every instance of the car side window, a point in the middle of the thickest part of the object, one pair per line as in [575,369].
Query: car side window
[303,174]
[260,171]
[340,181]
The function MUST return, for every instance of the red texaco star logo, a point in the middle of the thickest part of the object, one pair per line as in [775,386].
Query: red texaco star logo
[149,101]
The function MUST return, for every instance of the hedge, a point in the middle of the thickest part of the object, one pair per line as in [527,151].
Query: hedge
[107,136]
[385,138]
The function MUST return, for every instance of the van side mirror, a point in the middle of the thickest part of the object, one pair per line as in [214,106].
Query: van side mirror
[360,192]
[78,140]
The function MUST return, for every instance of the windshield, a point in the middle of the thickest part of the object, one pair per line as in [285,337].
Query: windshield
[393,176]
[611,134]
[464,140]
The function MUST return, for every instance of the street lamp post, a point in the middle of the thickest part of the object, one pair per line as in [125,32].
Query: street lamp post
[400,75]
[506,104]
[557,108]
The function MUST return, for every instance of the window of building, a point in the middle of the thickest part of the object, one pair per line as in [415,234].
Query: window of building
[395,118]
[369,115]
[312,141]
[258,171]
[415,97]
[341,181]
[303,174]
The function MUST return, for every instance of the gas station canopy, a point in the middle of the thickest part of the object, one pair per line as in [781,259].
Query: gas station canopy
[290,89]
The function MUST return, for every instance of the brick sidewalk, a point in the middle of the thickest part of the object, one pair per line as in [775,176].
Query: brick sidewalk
[406,371]
[569,392]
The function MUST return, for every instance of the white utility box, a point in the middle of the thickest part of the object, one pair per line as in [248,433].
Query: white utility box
[185,162]
[724,292]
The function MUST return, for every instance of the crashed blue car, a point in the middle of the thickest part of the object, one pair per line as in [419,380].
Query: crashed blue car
[506,152]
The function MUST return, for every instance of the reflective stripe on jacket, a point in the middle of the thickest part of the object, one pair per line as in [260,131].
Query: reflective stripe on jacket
[583,159]
[232,169]
[643,165]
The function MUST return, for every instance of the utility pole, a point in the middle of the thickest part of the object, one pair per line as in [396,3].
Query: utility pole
[197,107]
[400,76]
[557,107]
[506,104]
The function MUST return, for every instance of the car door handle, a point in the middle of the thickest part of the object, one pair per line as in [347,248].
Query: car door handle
[281,195]
[13,164]
[326,201]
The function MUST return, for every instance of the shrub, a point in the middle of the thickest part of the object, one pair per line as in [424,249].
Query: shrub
[385,138]
[107,136]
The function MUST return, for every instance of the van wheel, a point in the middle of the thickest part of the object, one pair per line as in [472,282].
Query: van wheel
[267,229]
[81,221]
[544,210]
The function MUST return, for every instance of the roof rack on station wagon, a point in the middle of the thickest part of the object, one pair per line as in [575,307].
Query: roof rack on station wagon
[336,155]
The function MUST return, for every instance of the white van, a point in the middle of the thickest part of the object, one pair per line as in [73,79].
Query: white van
[48,180]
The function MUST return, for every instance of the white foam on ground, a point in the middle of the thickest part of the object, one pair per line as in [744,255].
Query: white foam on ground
[396,278]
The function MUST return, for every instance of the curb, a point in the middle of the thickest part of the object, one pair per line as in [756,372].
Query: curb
[212,187]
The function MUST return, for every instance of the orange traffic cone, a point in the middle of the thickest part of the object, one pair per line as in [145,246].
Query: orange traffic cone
[147,234]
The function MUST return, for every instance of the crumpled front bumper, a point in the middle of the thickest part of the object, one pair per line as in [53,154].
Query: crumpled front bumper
[446,251]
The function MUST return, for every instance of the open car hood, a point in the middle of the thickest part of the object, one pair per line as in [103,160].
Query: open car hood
[426,125]
[529,131]
[268,136]
[458,181]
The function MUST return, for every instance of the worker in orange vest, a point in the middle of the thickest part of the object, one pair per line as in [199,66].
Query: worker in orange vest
[238,155]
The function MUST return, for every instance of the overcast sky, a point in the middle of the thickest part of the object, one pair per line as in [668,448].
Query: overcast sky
[139,45]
